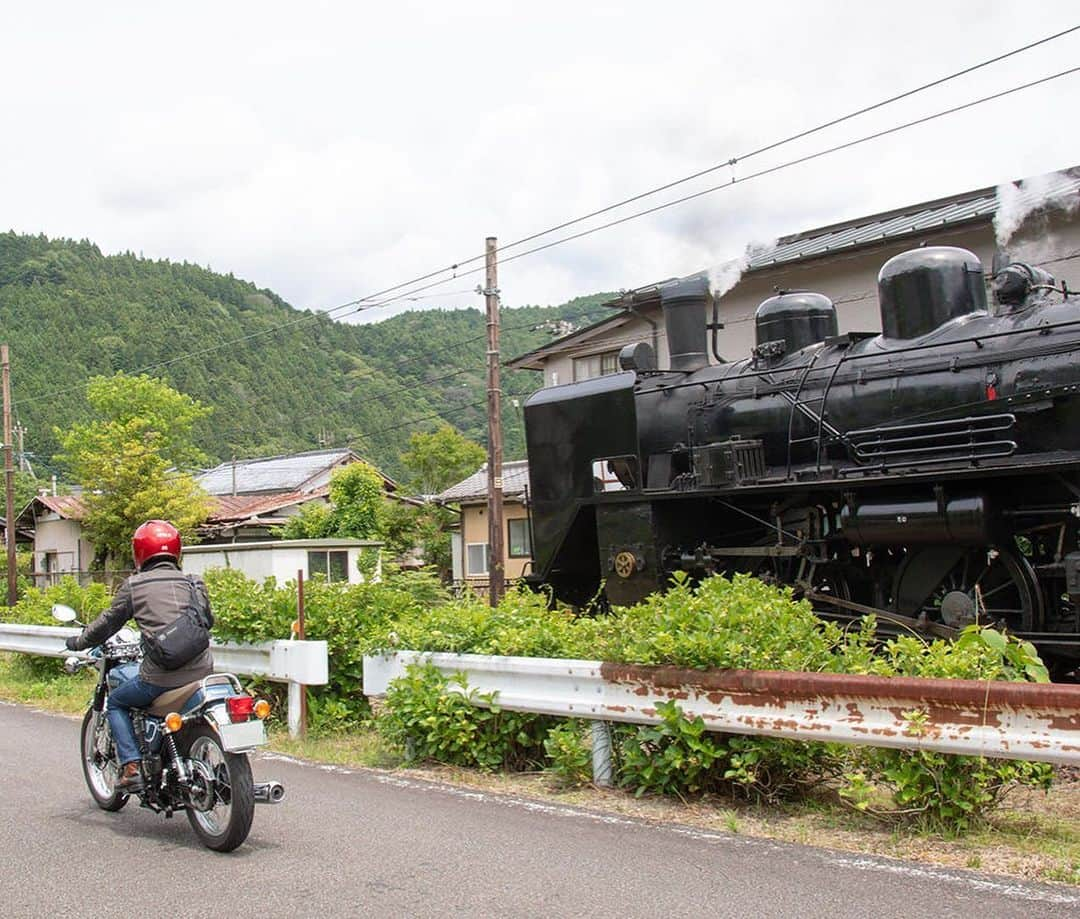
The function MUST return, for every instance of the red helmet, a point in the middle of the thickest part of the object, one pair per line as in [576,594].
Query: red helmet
[153,538]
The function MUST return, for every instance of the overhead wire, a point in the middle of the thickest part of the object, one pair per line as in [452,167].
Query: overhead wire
[363,303]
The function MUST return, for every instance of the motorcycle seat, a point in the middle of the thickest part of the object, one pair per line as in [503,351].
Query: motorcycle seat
[172,700]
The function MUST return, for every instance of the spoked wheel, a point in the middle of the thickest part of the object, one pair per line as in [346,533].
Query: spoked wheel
[222,803]
[960,586]
[99,762]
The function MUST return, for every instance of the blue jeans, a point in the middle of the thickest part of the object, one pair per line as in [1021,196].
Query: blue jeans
[132,692]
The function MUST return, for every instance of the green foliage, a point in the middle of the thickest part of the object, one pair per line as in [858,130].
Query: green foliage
[406,526]
[35,608]
[356,498]
[569,752]
[70,313]
[315,520]
[440,719]
[440,459]
[127,457]
[342,615]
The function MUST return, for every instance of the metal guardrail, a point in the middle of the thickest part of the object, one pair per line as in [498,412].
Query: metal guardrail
[1028,721]
[298,663]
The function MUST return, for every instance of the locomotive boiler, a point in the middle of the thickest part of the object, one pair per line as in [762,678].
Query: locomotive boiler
[929,473]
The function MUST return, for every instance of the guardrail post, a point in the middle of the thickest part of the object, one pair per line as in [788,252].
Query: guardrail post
[601,754]
[296,709]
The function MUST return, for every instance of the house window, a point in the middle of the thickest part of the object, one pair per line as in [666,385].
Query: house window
[332,565]
[596,365]
[476,558]
[517,531]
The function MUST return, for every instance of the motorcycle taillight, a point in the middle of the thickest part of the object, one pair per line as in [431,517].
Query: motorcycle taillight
[240,708]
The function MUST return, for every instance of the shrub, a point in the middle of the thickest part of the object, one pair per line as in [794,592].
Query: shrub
[436,718]
[569,752]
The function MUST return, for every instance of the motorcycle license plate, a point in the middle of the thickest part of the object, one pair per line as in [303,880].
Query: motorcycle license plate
[242,736]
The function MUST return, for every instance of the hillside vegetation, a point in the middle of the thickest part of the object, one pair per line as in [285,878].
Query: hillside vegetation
[297,379]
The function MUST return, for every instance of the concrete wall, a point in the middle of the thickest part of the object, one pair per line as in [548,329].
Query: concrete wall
[68,551]
[281,560]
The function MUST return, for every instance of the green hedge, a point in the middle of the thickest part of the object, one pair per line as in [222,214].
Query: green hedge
[720,623]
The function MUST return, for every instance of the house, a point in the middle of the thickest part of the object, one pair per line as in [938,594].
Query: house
[253,496]
[268,475]
[470,542]
[60,546]
[841,261]
[333,559]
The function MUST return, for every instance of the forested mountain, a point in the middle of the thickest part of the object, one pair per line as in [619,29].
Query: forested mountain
[296,381]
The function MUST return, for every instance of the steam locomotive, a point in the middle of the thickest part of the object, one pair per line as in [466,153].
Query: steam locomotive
[929,474]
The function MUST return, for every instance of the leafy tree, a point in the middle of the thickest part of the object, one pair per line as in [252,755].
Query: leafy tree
[355,511]
[439,459]
[356,493]
[129,460]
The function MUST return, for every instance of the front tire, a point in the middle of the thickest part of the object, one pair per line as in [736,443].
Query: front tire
[223,824]
[100,768]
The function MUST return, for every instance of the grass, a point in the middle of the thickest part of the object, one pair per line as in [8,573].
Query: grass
[42,683]
[1033,835]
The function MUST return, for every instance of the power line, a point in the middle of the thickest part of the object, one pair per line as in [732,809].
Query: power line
[362,303]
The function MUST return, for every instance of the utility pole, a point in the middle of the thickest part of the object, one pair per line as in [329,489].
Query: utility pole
[9,480]
[494,407]
[20,432]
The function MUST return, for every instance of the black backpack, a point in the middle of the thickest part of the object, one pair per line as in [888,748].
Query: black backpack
[186,637]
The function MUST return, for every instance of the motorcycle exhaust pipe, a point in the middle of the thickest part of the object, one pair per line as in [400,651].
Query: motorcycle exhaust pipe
[269,792]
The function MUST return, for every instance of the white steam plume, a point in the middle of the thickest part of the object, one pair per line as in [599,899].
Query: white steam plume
[726,274]
[1017,202]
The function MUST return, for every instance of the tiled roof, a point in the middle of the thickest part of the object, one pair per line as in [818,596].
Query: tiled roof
[233,508]
[474,488]
[289,473]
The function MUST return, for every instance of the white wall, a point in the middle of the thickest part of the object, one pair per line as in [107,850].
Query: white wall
[54,534]
[281,560]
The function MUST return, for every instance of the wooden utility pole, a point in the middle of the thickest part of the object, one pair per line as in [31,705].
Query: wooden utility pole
[494,407]
[9,481]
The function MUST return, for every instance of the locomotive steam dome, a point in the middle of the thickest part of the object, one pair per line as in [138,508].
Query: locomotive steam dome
[798,319]
[920,290]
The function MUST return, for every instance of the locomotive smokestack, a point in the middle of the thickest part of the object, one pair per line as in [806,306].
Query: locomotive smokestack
[684,303]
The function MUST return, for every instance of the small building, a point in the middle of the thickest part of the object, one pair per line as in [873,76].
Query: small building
[470,543]
[332,559]
[303,473]
[60,545]
[252,497]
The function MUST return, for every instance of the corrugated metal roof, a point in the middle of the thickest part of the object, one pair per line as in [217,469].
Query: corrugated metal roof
[70,507]
[474,488]
[920,218]
[296,472]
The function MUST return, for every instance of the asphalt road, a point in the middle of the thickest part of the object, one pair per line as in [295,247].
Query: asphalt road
[362,843]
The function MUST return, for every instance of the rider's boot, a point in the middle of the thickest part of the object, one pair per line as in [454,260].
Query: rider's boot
[130,778]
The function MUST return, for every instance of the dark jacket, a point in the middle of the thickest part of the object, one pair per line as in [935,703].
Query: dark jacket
[153,598]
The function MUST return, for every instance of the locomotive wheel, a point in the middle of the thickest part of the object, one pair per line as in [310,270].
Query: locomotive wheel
[954,586]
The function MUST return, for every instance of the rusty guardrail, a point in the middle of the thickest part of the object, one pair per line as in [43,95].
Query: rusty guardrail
[1028,721]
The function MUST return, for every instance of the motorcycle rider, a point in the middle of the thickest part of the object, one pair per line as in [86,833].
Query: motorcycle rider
[154,597]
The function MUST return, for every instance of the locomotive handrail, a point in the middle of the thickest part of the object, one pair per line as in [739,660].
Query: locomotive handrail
[907,349]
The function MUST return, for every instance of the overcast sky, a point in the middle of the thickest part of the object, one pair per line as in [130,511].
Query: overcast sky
[330,150]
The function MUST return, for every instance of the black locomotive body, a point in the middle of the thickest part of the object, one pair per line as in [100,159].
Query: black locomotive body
[931,472]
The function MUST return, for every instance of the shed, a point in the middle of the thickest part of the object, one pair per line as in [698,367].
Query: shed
[335,559]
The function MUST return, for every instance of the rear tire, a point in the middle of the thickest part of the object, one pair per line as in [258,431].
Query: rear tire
[100,768]
[226,823]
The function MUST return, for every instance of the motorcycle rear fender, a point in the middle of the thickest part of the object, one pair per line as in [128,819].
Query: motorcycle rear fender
[239,737]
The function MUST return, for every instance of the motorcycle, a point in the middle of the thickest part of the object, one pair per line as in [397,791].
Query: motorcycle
[194,743]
